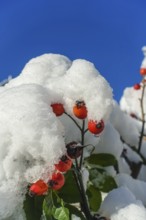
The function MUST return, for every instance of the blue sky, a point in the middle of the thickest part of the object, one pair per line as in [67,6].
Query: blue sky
[109,33]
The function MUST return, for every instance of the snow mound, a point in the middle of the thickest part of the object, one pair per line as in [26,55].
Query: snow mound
[110,142]
[130,212]
[32,137]
[130,102]
[124,124]
[137,187]
[121,204]
[143,64]
[31,140]
[71,81]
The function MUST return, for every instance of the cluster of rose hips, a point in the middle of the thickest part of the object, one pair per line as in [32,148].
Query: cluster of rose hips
[74,150]
[137,86]
[80,111]
[40,187]
[56,182]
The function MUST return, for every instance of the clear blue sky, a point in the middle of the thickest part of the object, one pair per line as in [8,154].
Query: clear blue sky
[109,33]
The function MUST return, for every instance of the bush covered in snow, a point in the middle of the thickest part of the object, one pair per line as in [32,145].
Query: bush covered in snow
[68,150]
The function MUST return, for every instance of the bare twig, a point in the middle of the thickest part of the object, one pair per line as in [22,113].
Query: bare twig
[142,117]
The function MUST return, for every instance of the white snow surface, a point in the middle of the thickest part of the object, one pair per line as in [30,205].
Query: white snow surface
[137,187]
[132,155]
[143,148]
[71,81]
[143,64]
[121,204]
[124,124]
[110,142]
[142,173]
[130,212]
[32,137]
[130,101]
[31,141]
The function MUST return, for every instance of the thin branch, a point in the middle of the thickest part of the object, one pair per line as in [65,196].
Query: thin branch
[142,117]
[82,142]
[79,182]
[73,121]
[133,148]
[85,130]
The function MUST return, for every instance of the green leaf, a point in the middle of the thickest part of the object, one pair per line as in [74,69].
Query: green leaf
[61,213]
[33,207]
[69,192]
[102,160]
[74,211]
[94,198]
[48,208]
[54,207]
[51,203]
[102,180]
[108,184]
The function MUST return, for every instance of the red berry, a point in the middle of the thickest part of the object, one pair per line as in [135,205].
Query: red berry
[64,164]
[57,181]
[133,115]
[143,71]
[38,188]
[58,109]
[95,127]
[80,110]
[137,86]
[74,150]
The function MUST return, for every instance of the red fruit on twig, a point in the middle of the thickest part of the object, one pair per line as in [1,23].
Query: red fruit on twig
[38,188]
[57,181]
[80,110]
[64,164]
[133,115]
[143,71]
[74,150]
[95,127]
[58,109]
[137,86]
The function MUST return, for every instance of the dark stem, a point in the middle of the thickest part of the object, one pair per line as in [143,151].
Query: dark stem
[79,181]
[77,173]
[88,214]
[143,119]
[85,130]
[73,121]
[82,134]
[82,142]
[135,167]
[135,150]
